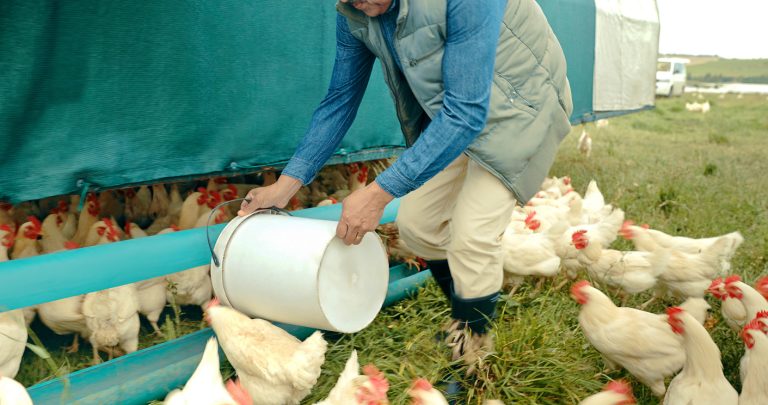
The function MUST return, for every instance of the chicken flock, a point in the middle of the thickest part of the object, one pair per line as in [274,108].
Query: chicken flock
[558,231]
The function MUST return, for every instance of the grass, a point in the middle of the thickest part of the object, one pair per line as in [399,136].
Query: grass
[684,173]
[730,70]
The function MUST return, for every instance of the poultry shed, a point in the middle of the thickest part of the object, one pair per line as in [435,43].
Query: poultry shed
[105,95]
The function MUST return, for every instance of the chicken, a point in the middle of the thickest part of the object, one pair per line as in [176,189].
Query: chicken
[650,239]
[273,366]
[110,204]
[26,239]
[137,205]
[753,304]
[733,310]
[160,203]
[6,216]
[603,232]
[632,272]
[194,206]
[352,388]
[190,287]
[103,231]
[13,337]
[754,386]
[636,340]
[701,381]
[614,393]
[762,287]
[205,385]
[690,275]
[593,201]
[13,393]
[422,393]
[396,248]
[65,316]
[585,143]
[151,292]
[88,217]
[358,176]
[531,255]
[112,316]
[65,220]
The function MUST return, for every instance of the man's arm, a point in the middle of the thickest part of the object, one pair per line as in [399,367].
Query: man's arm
[332,119]
[470,50]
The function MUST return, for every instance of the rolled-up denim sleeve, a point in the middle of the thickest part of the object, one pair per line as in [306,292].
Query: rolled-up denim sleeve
[472,32]
[335,114]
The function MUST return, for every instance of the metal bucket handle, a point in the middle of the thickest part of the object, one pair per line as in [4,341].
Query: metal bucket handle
[270,211]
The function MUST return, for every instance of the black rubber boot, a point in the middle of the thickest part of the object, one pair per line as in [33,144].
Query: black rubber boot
[442,274]
[475,312]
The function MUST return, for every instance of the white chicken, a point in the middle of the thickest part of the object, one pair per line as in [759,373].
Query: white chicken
[762,287]
[88,217]
[205,385]
[603,232]
[26,244]
[531,255]
[272,365]
[151,292]
[632,272]
[190,287]
[422,393]
[193,206]
[13,393]
[636,340]
[585,143]
[352,388]
[593,205]
[614,393]
[112,316]
[753,303]
[754,386]
[733,310]
[690,275]
[647,240]
[701,381]
[13,337]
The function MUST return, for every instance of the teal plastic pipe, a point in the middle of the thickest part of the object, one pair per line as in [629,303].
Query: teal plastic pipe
[151,373]
[50,277]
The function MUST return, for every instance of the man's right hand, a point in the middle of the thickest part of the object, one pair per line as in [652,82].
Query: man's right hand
[275,195]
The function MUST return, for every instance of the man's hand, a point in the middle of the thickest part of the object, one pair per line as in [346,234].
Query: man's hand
[276,195]
[361,213]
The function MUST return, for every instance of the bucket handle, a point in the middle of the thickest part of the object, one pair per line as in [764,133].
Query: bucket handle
[271,211]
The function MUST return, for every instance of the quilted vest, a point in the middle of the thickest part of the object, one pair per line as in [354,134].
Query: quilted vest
[530,95]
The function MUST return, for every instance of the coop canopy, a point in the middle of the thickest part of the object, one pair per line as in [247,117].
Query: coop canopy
[101,94]
[626,48]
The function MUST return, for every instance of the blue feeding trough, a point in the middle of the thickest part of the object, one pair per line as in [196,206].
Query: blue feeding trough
[150,373]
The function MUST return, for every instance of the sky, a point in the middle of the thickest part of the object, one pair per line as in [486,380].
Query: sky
[736,29]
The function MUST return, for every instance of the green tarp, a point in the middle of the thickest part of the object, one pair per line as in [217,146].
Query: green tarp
[104,93]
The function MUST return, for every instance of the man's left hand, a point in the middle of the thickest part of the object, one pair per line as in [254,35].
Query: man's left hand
[361,213]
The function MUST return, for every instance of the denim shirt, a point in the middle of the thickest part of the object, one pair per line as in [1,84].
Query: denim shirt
[472,33]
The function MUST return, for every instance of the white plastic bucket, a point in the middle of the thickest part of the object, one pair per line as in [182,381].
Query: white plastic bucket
[296,271]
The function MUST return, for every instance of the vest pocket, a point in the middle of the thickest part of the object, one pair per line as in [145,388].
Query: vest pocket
[513,96]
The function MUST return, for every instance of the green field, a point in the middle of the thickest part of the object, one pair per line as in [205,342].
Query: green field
[684,173]
[716,70]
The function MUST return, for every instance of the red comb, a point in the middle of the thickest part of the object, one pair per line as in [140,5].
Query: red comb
[69,245]
[732,279]
[578,234]
[35,222]
[566,180]
[5,227]
[619,387]
[762,287]
[421,384]
[674,321]
[755,324]
[577,286]
[761,314]
[175,227]
[376,377]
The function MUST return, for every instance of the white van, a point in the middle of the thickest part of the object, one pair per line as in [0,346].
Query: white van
[670,76]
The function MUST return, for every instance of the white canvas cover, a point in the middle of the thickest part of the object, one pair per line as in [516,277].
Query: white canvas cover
[626,48]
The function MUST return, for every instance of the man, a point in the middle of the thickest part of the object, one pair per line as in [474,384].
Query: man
[483,101]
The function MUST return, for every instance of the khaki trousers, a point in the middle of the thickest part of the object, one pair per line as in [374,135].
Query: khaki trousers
[460,215]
